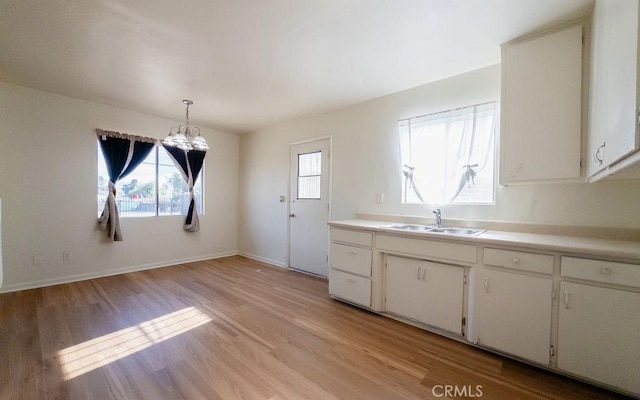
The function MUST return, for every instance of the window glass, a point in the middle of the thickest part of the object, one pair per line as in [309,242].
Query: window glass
[309,175]
[448,157]
[156,187]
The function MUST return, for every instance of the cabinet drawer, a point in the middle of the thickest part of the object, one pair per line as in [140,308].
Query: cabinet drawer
[353,237]
[352,259]
[601,271]
[428,248]
[349,287]
[518,260]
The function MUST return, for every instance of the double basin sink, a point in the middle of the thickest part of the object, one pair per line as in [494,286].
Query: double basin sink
[447,230]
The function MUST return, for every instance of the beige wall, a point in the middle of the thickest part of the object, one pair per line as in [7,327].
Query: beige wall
[366,161]
[48,190]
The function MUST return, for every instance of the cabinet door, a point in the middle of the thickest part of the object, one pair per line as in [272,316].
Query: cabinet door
[614,83]
[427,292]
[541,108]
[599,334]
[443,296]
[404,287]
[514,314]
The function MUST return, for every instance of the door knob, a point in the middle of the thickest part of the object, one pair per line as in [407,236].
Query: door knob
[292,215]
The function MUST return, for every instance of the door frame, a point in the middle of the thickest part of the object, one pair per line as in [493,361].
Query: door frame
[329,212]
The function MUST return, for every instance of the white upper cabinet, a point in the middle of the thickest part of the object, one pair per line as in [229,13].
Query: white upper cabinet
[613,100]
[541,108]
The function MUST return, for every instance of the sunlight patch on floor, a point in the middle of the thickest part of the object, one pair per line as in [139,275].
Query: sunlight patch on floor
[95,353]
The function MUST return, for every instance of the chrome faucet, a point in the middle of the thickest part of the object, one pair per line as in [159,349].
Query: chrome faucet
[438,218]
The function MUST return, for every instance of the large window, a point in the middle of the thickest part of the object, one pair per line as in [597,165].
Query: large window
[154,188]
[449,157]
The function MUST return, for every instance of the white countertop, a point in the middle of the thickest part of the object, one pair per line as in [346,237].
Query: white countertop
[625,250]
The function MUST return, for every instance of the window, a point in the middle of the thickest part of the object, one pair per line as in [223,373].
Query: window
[154,188]
[309,175]
[448,157]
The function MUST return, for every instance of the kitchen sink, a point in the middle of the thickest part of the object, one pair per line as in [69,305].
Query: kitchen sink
[457,231]
[447,230]
[410,227]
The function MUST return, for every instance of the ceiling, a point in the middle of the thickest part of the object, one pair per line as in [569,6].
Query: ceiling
[248,64]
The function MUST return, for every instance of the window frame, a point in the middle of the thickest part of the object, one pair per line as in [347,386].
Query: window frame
[491,160]
[199,186]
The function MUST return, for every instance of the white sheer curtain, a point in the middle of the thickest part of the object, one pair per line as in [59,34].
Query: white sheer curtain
[442,153]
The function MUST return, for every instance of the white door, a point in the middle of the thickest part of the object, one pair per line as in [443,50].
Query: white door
[514,314]
[599,334]
[443,296]
[309,211]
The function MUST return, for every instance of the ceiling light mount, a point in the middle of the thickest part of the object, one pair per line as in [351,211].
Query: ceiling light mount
[186,137]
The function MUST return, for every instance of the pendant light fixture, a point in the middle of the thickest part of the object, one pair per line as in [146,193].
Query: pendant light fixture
[186,137]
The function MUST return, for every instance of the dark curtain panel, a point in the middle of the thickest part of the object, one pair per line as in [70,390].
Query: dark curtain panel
[122,154]
[190,164]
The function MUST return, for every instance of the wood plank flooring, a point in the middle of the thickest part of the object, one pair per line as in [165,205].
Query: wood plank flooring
[235,328]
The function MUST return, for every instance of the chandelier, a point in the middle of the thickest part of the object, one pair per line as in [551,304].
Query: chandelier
[186,137]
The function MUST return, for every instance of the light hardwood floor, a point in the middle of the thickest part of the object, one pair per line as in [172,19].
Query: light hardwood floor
[235,328]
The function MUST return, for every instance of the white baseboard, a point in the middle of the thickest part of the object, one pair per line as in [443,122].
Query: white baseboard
[111,272]
[263,259]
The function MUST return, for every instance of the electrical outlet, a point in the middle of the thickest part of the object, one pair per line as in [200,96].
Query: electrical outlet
[66,255]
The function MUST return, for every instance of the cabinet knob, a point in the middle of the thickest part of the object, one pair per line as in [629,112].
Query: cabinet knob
[605,271]
[515,260]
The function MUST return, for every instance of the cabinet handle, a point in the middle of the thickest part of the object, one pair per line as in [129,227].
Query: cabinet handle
[418,273]
[486,285]
[597,156]
[566,300]
[605,271]
[515,260]
[349,280]
[351,252]
[424,274]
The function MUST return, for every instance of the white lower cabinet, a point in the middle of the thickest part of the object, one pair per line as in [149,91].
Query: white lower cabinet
[426,292]
[513,314]
[350,266]
[599,334]
[353,288]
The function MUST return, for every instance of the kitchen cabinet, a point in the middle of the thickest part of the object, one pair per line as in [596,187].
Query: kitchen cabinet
[599,326]
[541,108]
[535,297]
[513,310]
[426,292]
[613,140]
[350,266]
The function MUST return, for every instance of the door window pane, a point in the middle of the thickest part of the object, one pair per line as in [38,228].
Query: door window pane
[309,171]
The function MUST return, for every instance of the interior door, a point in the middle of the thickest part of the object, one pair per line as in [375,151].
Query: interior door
[309,207]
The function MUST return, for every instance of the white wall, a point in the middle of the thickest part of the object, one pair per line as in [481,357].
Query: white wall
[366,160]
[48,190]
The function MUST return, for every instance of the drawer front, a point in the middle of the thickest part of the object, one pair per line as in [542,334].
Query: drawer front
[353,237]
[518,260]
[428,248]
[356,260]
[355,289]
[601,271]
